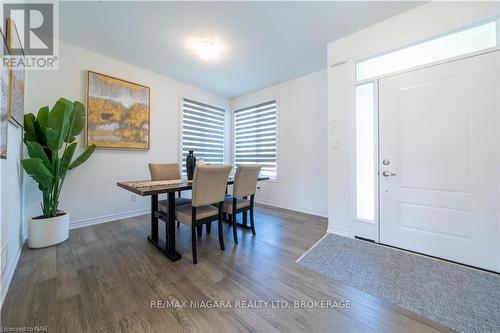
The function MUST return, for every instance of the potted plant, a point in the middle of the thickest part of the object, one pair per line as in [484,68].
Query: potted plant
[51,141]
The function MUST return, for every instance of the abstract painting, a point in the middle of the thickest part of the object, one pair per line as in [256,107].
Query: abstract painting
[117,113]
[16,110]
[4,99]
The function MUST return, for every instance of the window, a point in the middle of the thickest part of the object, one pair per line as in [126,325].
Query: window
[365,152]
[255,137]
[203,132]
[451,45]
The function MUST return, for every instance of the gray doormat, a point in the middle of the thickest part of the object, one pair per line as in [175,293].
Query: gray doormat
[462,298]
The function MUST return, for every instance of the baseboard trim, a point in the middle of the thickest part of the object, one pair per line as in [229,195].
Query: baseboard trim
[9,272]
[292,207]
[107,218]
[340,232]
[113,217]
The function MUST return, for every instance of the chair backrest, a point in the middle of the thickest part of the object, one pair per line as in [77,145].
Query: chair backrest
[245,179]
[164,171]
[209,184]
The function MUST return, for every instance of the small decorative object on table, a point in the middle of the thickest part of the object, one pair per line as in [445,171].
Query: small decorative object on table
[190,164]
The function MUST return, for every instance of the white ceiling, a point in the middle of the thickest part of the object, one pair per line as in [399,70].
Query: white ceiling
[264,43]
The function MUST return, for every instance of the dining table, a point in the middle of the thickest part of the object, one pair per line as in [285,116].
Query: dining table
[170,187]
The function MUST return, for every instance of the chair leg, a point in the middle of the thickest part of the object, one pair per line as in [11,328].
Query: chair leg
[235,233]
[221,236]
[209,227]
[244,218]
[178,224]
[252,225]
[220,226]
[200,230]
[193,244]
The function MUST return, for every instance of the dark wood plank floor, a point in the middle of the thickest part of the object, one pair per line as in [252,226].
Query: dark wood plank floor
[104,278]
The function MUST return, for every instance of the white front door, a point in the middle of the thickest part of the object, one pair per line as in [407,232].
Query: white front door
[439,160]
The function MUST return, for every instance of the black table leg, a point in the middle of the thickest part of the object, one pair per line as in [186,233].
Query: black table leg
[167,247]
[172,254]
[154,218]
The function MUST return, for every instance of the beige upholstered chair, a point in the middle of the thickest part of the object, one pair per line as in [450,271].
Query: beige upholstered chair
[167,171]
[209,188]
[164,171]
[245,184]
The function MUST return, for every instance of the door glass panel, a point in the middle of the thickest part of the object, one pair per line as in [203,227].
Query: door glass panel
[452,45]
[365,152]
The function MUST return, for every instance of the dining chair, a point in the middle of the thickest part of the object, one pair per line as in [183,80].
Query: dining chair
[208,189]
[167,171]
[245,184]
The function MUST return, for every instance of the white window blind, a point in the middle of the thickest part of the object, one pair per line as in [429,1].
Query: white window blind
[255,137]
[202,132]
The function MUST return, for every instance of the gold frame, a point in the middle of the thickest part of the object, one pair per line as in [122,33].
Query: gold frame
[10,29]
[4,46]
[87,110]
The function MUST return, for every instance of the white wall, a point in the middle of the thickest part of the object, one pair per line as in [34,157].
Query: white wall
[90,193]
[11,217]
[12,230]
[417,24]
[302,143]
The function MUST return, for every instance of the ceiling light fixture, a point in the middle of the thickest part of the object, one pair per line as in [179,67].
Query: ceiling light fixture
[206,50]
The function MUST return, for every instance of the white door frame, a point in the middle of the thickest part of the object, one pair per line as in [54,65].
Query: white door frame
[375,81]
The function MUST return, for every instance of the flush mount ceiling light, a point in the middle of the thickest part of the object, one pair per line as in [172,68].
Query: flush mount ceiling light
[206,49]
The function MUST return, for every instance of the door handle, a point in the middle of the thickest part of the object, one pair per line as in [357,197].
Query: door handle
[388,174]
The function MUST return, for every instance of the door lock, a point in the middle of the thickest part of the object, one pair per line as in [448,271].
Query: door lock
[388,174]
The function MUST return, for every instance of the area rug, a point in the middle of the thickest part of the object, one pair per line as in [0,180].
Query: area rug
[461,298]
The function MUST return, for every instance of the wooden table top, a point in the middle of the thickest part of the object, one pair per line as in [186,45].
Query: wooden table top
[148,187]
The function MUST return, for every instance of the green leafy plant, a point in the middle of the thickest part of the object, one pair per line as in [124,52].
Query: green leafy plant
[50,139]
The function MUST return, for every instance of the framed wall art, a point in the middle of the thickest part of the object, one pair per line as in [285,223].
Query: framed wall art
[118,113]
[17,77]
[4,97]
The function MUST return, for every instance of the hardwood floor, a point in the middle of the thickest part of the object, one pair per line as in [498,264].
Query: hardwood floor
[105,278]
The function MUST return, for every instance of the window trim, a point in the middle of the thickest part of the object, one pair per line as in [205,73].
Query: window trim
[233,133]
[425,39]
[181,124]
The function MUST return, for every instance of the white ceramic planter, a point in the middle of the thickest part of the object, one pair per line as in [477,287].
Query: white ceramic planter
[48,232]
